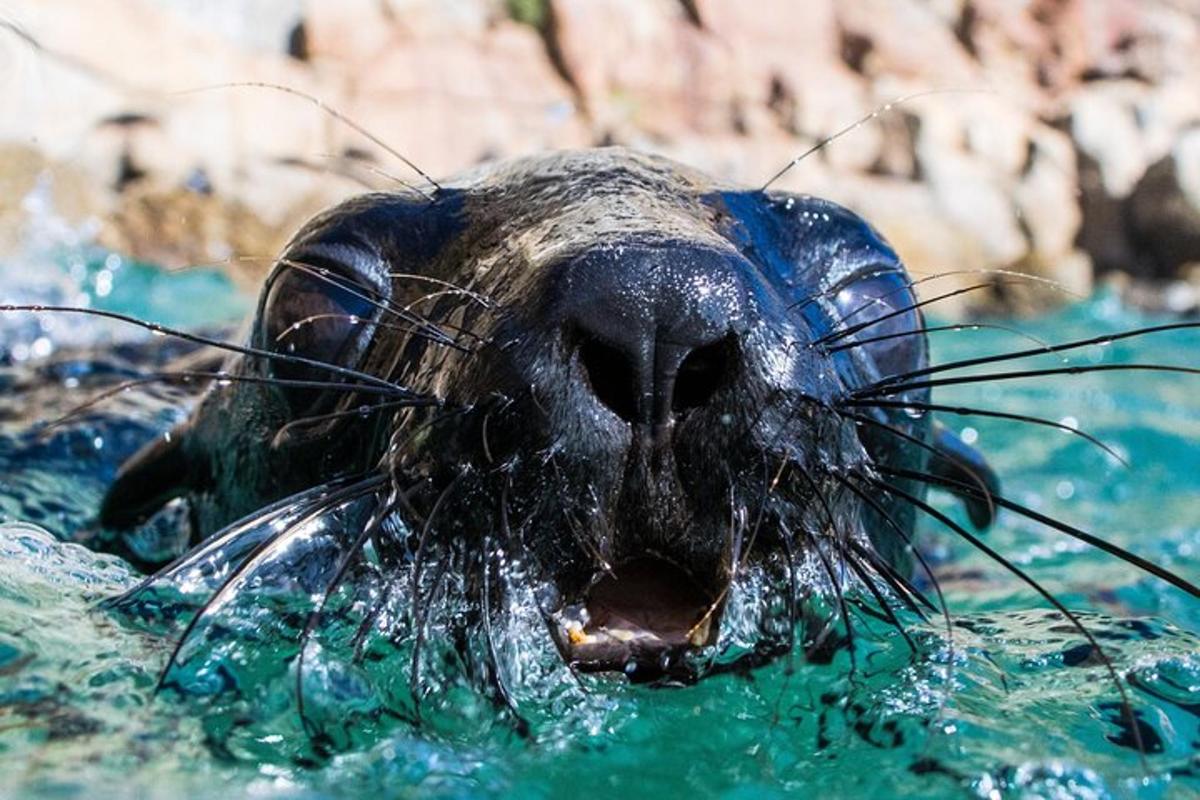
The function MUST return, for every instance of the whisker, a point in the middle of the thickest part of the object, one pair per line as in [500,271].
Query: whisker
[1054,348]
[420,618]
[979,544]
[985,492]
[909,595]
[865,579]
[883,109]
[943,607]
[163,330]
[822,557]
[356,320]
[186,376]
[842,333]
[982,412]
[488,557]
[284,432]
[351,493]
[331,586]
[957,328]
[1023,277]
[892,389]
[474,295]
[339,116]
[1148,567]
[424,327]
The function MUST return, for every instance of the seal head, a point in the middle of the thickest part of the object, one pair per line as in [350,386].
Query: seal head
[617,372]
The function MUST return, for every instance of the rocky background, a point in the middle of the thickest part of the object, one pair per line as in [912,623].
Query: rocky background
[1055,137]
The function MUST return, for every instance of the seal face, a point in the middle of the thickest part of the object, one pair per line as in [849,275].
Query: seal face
[625,374]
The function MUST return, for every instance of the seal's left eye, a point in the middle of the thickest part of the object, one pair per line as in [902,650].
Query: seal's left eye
[318,315]
[878,310]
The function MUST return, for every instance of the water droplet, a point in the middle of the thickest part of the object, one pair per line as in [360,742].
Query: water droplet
[969,435]
[98,443]
[41,347]
[914,413]
[104,283]
[1065,490]
[1069,422]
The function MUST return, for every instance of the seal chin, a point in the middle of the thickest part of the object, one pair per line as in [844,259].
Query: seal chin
[643,618]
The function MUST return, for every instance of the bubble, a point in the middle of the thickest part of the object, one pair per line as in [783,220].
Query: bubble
[41,347]
[1065,490]
[104,283]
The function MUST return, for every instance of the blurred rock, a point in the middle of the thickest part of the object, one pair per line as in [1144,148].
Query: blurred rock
[1055,137]
[1164,212]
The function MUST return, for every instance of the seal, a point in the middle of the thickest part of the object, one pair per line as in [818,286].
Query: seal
[687,418]
[630,373]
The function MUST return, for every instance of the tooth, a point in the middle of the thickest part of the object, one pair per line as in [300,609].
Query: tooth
[699,634]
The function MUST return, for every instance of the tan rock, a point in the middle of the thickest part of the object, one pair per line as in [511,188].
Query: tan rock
[644,65]
[448,102]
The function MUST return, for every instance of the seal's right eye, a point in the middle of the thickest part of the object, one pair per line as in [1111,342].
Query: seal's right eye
[316,314]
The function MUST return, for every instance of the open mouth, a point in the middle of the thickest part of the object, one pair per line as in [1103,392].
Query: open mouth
[640,619]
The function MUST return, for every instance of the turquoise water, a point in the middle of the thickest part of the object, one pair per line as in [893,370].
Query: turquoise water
[1010,706]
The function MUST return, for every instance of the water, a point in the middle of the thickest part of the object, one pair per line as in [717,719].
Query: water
[1015,708]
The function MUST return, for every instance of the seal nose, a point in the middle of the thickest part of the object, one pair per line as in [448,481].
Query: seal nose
[650,380]
[654,328]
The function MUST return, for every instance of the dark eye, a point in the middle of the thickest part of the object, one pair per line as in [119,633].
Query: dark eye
[878,307]
[317,314]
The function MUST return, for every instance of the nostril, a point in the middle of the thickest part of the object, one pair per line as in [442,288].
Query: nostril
[611,376]
[701,374]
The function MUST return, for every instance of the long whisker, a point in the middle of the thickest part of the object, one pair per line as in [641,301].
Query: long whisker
[356,320]
[1054,348]
[339,116]
[981,412]
[886,607]
[474,295]
[943,606]
[891,389]
[1148,567]
[908,594]
[163,330]
[284,432]
[186,376]
[743,558]
[985,492]
[956,328]
[979,544]
[420,618]
[506,696]
[883,109]
[841,333]
[908,284]
[423,327]
[348,494]
[331,586]
[821,556]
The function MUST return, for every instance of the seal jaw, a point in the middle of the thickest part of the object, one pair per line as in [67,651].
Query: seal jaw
[642,618]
